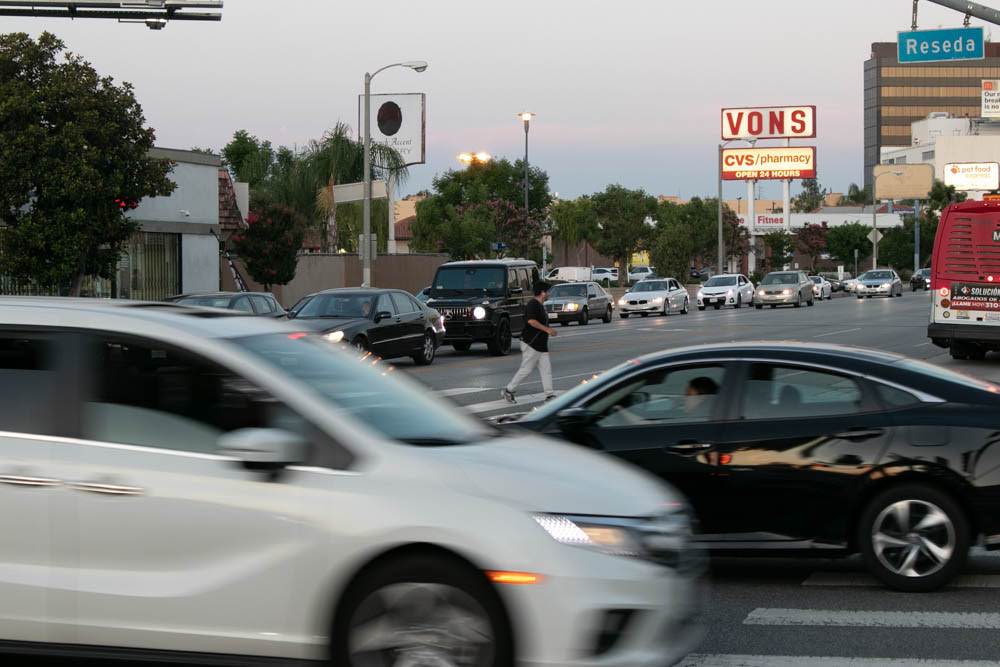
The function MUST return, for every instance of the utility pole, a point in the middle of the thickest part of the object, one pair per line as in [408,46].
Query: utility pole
[968,8]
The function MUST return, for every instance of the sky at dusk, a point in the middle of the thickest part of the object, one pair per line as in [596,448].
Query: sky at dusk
[626,92]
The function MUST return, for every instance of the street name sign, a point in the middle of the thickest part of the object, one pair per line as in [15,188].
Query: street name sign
[944,44]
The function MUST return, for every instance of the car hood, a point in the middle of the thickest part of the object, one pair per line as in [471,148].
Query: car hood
[644,295]
[780,286]
[544,475]
[329,323]
[566,299]
[462,302]
[718,290]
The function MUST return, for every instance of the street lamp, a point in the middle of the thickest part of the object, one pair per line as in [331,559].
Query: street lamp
[366,251]
[875,212]
[526,117]
[468,159]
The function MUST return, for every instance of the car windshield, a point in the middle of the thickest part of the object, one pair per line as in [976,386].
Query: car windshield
[563,291]
[336,305]
[394,406]
[721,281]
[780,279]
[651,286]
[925,273]
[877,275]
[816,279]
[206,301]
[456,280]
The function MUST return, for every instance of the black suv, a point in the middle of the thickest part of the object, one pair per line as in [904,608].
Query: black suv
[483,301]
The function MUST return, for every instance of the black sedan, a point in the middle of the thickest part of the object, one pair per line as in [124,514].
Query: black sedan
[262,304]
[920,280]
[386,322]
[814,450]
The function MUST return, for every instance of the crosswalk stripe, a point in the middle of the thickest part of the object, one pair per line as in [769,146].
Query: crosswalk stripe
[489,406]
[458,391]
[859,579]
[734,660]
[874,619]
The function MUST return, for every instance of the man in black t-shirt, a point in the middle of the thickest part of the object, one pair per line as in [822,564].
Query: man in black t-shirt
[534,345]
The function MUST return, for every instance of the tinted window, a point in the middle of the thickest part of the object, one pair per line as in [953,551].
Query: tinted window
[206,301]
[563,291]
[336,305]
[261,304]
[458,280]
[721,281]
[242,304]
[776,392]
[681,395]
[780,279]
[524,278]
[385,305]
[895,398]
[651,286]
[674,285]
[592,291]
[34,397]
[403,303]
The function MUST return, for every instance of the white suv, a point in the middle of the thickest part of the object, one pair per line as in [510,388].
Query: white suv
[175,479]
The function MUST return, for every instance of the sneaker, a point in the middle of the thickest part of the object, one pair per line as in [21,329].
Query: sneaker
[508,395]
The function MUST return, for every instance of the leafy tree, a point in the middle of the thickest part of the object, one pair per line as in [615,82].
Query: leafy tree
[811,197]
[858,195]
[74,159]
[269,246]
[574,221]
[248,158]
[700,218]
[779,244]
[621,215]
[843,240]
[941,195]
[811,242]
[672,249]
[735,236]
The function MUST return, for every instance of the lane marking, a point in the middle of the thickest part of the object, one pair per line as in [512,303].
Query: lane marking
[458,391]
[500,404]
[874,619]
[834,333]
[735,660]
[923,344]
[860,579]
[662,330]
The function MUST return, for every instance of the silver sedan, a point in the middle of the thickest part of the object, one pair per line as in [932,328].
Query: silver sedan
[660,296]
[822,289]
[879,282]
[784,288]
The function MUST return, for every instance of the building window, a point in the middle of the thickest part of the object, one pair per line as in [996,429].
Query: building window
[927,155]
[930,91]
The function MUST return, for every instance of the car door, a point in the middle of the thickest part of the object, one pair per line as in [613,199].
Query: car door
[676,295]
[411,322]
[518,293]
[746,289]
[39,409]
[596,301]
[662,420]
[386,334]
[791,457]
[175,546]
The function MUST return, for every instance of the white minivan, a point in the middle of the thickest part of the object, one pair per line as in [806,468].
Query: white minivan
[195,484]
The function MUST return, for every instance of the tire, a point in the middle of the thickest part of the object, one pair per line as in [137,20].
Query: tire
[959,351]
[462,347]
[645,314]
[701,307]
[687,306]
[607,316]
[584,318]
[499,345]
[417,603]
[759,306]
[889,538]
[977,353]
[425,357]
[773,306]
[360,343]
[739,301]
[860,297]
[810,302]
[798,304]
[624,316]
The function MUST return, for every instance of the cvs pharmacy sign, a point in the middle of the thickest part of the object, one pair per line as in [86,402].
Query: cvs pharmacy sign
[769,123]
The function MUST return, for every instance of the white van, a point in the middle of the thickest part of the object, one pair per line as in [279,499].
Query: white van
[571,274]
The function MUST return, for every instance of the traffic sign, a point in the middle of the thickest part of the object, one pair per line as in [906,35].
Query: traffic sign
[928,46]
[874,236]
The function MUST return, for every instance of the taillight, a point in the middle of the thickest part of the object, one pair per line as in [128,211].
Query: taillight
[944,291]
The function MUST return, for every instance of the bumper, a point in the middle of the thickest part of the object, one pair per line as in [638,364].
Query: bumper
[558,623]
[716,300]
[564,315]
[943,334]
[641,308]
[874,291]
[467,331]
[775,300]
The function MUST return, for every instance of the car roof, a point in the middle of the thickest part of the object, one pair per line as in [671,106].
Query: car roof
[490,262]
[191,295]
[845,355]
[357,290]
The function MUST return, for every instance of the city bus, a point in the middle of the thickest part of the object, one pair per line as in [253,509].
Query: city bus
[965,280]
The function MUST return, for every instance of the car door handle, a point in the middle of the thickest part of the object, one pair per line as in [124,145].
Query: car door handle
[25,480]
[107,489]
[860,433]
[690,447]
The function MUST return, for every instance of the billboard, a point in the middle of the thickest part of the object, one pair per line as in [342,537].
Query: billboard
[762,164]
[991,98]
[399,121]
[768,222]
[769,123]
[903,181]
[973,176]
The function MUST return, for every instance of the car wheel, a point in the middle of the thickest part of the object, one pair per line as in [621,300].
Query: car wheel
[360,343]
[959,350]
[798,304]
[645,314]
[624,316]
[425,356]
[607,315]
[499,345]
[759,306]
[421,611]
[810,302]
[462,347]
[584,318]
[701,307]
[739,301]
[773,306]
[914,538]
[687,306]
[860,297]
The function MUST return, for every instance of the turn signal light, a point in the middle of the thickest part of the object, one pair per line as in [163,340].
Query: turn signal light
[515,578]
[944,291]
[945,303]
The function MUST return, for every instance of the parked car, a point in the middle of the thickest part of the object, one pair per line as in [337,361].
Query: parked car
[605,275]
[850,285]
[388,323]
[262,304]
[657,296]
[879,282]
[424,295]
[822,288]
[187,484]
[704,273]
[788,288]
[921,280]
[637,273]
[483,301]
[578,302]
[570,274]
[732,289]
[806,449]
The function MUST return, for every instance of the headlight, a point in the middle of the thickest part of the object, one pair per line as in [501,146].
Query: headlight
[761,292]
[658,299]
[439,325]
[729,293]
[335,336]
[786,292]
[886,285]
[572,307]
[479,313]
[660,540]
[622,301]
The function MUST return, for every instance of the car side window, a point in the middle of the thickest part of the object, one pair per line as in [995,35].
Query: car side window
[512,282]
[534,275]
[261,304]
[683,395]
[403,305]
[385,305]
[592,291]
[242,304]
[674,285]
[743,281]
[788,392]
[895,398]
[525,277]
[36,397]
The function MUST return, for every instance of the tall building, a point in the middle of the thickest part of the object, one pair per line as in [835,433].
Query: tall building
[897,95]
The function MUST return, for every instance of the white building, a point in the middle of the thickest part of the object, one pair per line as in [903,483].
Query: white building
[940,139]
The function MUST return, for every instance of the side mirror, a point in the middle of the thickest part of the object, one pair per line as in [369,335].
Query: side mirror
[291,314]
[574,420]
[265,449]
[382,315]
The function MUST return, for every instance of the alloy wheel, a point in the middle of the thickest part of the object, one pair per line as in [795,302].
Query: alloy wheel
[428,348]
[913,538]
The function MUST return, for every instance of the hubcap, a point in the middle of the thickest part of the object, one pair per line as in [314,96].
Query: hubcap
[420,625]
[913,538]
[428,348]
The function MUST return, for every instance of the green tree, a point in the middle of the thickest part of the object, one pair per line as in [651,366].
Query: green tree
[735,236]
[248,158]
[74,159]
[811,197]
[574,221]
[671,250]
[270,244]
[622,230]
[858,195]
[842,241]
[811,242]
[779,244]
[700,218]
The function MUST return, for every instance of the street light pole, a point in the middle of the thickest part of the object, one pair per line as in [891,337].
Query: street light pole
[720,258]
[875,212]
[526,116]
[366,226]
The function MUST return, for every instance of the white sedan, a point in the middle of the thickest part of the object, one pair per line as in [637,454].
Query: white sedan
[658,296]
[726,290]
[822,288]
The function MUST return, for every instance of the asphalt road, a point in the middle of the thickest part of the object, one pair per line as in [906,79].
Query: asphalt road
[782,612]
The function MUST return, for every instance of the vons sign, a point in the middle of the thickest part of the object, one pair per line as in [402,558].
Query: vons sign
[769,123]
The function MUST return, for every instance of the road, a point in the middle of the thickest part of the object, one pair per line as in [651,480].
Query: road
[782,612]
